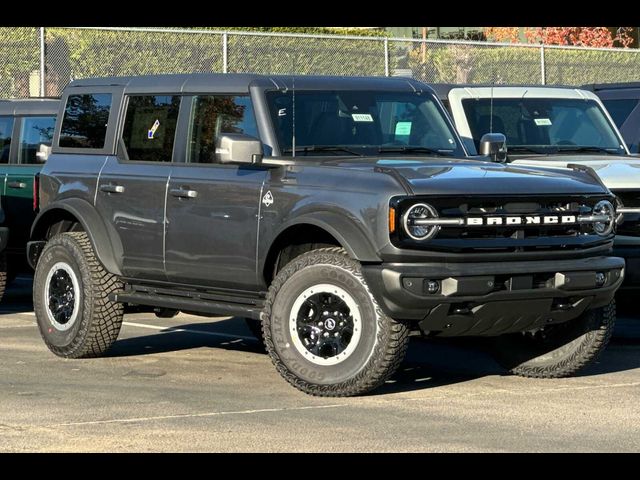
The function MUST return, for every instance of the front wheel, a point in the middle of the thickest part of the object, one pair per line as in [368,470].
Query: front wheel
[71,298]
[557,351]
[324,330]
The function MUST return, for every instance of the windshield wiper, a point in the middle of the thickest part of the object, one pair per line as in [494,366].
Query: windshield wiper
[608,151]
[522,148]
[323,148]
[409,149]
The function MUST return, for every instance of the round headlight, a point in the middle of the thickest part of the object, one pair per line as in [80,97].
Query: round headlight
[604,208]
[414,225]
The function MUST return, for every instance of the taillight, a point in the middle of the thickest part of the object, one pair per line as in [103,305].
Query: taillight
[36,194]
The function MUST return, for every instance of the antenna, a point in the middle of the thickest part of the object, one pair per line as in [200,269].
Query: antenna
[491,111]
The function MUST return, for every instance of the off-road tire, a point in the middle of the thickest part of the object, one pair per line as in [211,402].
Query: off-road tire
[381,346]
[3,274]
[98,320]
[570,348]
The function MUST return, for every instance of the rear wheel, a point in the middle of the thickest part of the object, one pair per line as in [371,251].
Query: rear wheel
[71,298]
[559,350]
[324,330]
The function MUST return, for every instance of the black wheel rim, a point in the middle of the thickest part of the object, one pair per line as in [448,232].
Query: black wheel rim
[62,297]
[324,325]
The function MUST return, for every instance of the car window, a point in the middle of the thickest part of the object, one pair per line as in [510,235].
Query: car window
[620,109]
[34,132]
[150,127]
[84,124]
[542,122]
[214,116]
[6,129]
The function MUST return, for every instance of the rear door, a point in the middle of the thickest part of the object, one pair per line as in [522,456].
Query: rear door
[132,186]
[6,134]
[213,208]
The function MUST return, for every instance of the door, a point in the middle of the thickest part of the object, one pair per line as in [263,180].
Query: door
[21,171]
[6,133]
[212,208]
[132,186]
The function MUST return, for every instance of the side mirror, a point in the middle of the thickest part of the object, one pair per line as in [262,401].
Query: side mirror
[43,153]
[494,145]
[239,148]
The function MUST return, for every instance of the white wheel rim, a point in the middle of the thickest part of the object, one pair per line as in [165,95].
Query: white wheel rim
[330,325]
[58,269]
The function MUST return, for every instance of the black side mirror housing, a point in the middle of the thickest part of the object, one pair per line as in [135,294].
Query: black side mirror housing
[494,145]
[239,148]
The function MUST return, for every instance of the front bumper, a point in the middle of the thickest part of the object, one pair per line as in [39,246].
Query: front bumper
[4,238]
[492,298]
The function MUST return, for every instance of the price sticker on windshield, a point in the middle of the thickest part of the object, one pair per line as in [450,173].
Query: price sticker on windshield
[403,128]
[361,117]
[542,122]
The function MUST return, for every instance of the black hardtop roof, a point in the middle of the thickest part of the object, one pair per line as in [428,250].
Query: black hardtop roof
[29,106]
[240,83]
[610,86]
[442,89]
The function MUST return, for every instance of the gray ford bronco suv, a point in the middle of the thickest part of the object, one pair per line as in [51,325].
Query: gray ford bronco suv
[337,212]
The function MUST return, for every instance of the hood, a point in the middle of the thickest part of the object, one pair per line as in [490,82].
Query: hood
[616,172]
[472,177]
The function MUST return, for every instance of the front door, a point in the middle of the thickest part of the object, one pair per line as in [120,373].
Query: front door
[132,187]
[212,208]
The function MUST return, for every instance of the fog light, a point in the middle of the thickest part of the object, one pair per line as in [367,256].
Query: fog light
[433,286]
[601,279]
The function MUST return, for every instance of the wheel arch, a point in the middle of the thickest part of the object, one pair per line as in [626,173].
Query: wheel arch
[107,246]
[324,228]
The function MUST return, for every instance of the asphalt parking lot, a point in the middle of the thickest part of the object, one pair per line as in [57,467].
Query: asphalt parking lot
[201,384]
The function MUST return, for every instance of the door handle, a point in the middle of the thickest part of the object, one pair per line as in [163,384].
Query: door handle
[111,188]
[183,193]
[17,185]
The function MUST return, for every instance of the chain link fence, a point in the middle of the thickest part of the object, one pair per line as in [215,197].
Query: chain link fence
[40,61]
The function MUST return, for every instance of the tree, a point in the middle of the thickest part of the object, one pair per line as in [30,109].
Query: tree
[578,36]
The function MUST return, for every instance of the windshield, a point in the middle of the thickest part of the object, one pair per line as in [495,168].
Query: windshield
[544,125]
[360,123]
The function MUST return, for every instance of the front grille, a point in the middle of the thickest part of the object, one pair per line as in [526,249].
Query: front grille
[631,221]
[505,238]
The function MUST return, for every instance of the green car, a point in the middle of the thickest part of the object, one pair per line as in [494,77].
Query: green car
[26,127]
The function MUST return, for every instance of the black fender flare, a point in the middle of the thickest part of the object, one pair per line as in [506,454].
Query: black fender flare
[106,244]
[350,234]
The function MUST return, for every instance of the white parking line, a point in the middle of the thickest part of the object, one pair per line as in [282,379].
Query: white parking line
[194,415]
[187,330]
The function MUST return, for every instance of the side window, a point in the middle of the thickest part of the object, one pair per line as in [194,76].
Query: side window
[214,116]
[84,124]
[6,127]
[150,127]
[34,132]
[620,109]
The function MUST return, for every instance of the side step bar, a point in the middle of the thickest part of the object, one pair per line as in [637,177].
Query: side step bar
[188,304]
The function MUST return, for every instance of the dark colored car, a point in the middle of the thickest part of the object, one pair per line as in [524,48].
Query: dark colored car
[621,100]
[338,212]
[25,125]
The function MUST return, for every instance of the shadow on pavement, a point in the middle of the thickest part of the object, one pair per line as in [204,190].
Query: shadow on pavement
[18,296]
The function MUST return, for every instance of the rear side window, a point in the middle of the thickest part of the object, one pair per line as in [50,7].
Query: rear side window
[214,116]
[150,127]
[620,109]
[6,127]
[84,124]
[35,131]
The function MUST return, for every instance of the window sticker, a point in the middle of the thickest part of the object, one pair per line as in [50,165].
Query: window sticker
[153,129]
[542,122]
[403,128]
[361,117]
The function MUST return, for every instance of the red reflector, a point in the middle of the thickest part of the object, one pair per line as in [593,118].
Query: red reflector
[36,190]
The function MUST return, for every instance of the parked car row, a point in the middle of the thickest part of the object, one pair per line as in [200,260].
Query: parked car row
[336,214]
